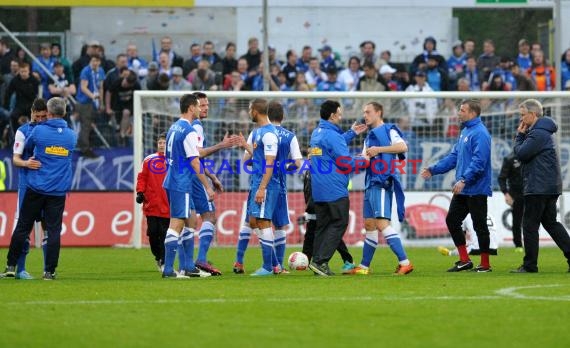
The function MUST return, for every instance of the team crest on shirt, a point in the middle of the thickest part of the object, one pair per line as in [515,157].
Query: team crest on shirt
[465,139]
[255,145]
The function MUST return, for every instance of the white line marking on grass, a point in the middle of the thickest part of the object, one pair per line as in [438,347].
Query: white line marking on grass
[501,294]
[512,292]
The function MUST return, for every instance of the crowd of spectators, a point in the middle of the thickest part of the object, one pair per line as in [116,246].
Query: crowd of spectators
[102,90]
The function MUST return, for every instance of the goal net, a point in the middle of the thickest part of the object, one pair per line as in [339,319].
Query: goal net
[430,126]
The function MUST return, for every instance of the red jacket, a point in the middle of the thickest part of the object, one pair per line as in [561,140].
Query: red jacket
[149,182]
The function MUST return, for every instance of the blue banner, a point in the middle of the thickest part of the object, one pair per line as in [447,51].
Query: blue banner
[112,171]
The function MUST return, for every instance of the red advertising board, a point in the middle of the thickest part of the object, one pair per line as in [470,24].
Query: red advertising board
[106,218]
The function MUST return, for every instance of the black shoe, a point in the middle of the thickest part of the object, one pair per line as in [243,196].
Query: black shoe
[10,272]
[481,269]
[461,266]
[322,269]
[196,273]
[48,276]
[521,269]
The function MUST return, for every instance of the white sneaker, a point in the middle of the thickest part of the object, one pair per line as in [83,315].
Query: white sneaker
[197,273]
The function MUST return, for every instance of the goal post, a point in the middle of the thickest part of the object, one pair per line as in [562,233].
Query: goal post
[427,119]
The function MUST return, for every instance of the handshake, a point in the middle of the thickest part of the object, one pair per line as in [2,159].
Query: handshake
[140,198]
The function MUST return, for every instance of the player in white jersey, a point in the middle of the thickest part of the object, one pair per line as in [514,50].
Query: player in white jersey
[471,238]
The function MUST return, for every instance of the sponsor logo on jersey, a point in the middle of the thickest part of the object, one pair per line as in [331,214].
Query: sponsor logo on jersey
[57,151]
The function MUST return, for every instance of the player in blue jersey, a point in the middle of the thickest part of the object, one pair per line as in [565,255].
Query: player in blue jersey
[23,158]
[183,162]
[382,147]
[205,207]
[265,186]
[288,154]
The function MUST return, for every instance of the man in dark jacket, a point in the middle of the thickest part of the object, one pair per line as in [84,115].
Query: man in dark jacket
[510,182]
[535,148]
[53,143]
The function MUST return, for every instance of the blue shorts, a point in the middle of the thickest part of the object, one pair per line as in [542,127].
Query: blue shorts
[266,208]
[200,197]
[377,203]
[180,204]
[281,213]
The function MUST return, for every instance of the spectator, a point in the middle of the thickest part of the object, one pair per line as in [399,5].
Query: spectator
[469,46]
[273,60]
[173,58]
[47,61]
[472,74]
[253,55]
[386,56]
[203,78]
[6,78]
[314,75]
[498,84]
[535,47]
[430,49]
[6,56]
[331,84]
[524,59]
[106,64]
[387,73]
[151,76]
[89,102]
[305,59]
[371,81]
[191,63]
[456,64]
[122,92]
[63,87]
[488,61]
[300,83]
[327,58]
[135,63]
[367,54]
[164,66]
[161,83]
[543,76]
[421,110]
[522,81]
[290,67]
[504,70]
[211,56]
[436,74]
[57,55]
[229,62]
[565,68]
[91,49]
[25,87]
[178,83]
[352,74]
[121,63]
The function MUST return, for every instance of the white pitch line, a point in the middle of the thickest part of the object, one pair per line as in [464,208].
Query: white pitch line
[501,294]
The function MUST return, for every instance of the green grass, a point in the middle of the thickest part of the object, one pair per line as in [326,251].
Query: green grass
[116,298]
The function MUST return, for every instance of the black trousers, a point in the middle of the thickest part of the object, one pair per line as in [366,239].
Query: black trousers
[517,211]
[332,220]
[460,206]
[541,209]
[156,232]
[52,207]
[308,243]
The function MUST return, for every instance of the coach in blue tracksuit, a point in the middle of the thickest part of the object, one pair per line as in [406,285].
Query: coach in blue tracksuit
[330,164]
[53,143]
[471,158]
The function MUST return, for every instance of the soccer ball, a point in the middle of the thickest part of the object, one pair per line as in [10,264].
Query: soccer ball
[298,261]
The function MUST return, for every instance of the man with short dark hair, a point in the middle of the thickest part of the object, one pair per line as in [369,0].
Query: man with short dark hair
[331,162]
[536,149]
[89,101]
[53,143]
[471,158]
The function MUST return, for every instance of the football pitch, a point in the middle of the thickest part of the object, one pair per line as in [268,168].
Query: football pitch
[106,297]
